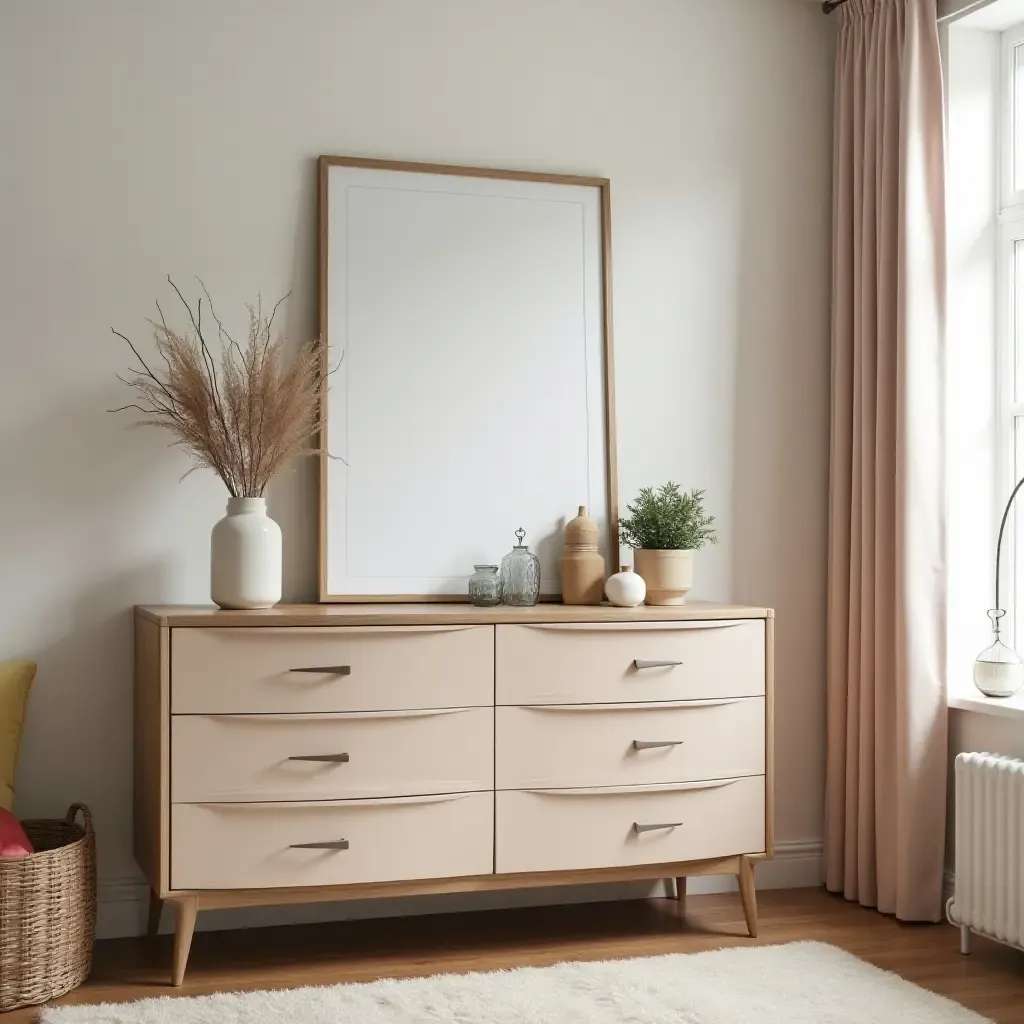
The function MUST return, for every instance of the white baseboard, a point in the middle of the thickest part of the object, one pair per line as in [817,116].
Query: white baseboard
[123,902]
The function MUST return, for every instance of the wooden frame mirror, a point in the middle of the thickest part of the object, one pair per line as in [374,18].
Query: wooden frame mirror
[465,315]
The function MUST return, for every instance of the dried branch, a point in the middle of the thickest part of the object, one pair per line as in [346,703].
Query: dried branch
[243,420]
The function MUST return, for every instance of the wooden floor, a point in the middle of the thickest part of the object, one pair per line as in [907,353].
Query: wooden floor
[990,981]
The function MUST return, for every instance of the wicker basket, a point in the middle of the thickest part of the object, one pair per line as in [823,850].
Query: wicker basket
[48,911]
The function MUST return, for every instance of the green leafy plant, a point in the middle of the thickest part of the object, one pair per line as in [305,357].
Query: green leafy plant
[668,519]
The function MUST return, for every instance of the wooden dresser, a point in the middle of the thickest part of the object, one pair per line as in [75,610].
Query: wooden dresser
[322,752]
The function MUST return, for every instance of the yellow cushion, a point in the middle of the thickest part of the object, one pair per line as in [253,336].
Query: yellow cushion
[15,679]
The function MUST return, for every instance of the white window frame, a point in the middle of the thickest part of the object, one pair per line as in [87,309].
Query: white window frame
[1011,230]
[1008,410]
[1010,196]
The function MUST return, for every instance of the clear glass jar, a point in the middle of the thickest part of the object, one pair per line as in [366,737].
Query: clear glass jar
[485,586]
[520,575]
[998,671]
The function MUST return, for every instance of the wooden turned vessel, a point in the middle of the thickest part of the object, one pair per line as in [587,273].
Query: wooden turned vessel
[581,564]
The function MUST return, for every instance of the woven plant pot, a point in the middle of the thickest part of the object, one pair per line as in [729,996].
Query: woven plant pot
[48,911]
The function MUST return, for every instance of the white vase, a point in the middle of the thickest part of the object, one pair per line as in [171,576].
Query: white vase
[626,589]
[668,574]
[245,556]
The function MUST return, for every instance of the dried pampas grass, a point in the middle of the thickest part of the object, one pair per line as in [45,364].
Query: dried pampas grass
[242,412]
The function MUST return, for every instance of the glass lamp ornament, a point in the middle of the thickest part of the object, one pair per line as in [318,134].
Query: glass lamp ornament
[998,670]
[520,575]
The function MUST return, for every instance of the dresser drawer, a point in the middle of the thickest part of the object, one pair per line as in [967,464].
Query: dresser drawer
[601,663]
[360,754]
[566,830]
[384,668]
[251,846]
[564,745]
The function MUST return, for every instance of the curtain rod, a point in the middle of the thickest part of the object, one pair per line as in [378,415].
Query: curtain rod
[830,5]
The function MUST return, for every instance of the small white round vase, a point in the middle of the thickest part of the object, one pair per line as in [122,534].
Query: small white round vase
[245,556]
[625,589]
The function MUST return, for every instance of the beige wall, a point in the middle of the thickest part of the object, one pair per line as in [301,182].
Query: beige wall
[969,730]
[142,139]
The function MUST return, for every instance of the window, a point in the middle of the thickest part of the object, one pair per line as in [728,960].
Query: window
[984,64]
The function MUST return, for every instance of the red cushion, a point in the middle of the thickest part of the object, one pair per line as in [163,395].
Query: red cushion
[13,841]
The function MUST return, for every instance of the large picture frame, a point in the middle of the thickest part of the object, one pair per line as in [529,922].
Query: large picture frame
[466,328]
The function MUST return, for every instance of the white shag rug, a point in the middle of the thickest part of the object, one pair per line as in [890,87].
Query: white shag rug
[799,983]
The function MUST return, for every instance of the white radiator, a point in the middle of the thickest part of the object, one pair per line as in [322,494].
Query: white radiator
[988,894]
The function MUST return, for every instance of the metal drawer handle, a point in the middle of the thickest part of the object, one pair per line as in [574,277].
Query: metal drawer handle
[334,844]
[334,670]
[655,828]
[324,758]
[638,664]
[651,744]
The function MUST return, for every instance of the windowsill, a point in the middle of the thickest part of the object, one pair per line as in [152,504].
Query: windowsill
[975,700]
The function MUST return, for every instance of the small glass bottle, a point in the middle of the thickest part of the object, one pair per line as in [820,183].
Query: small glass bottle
[998,671]
[485,586]
[520,575]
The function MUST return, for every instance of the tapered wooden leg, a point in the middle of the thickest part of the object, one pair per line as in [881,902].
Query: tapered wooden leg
[188,907]
[680,890]
[156,905]
[748,894]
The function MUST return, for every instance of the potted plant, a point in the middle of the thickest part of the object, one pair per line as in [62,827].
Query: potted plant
[242,410]
[665,527]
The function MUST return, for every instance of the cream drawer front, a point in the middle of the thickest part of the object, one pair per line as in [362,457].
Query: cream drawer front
[331,757]
[610,663]
[258,845]
[383,668]
[567,830]
[565,745]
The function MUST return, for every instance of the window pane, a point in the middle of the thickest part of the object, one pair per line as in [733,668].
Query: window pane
[1018,118]
[1017,319]
[1011,585]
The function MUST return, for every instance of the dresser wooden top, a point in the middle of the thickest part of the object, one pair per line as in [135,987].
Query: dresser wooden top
[437,614]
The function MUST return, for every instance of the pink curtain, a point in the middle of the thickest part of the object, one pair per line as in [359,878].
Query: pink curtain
[886,770]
